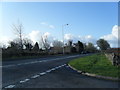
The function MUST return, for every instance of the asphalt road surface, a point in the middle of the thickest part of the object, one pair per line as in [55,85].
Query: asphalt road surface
[48,72]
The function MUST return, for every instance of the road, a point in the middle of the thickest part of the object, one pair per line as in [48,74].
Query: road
[49,72]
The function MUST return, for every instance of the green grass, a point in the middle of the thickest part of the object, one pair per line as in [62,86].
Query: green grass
[96,64]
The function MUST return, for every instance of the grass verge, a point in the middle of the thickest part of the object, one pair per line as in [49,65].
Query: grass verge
[96,64]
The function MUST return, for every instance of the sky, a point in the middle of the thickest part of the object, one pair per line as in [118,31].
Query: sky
[88,21]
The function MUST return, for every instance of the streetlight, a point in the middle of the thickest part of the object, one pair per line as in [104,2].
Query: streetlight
[63,35]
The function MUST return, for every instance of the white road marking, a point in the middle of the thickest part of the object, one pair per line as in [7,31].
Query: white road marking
[19,64]
[44,61]
[53,69]
[24,80]
[38,61]
[59,66]
[42,73]
[8,66]
[67,66]
[48,71]
[56,67]
[62,65]
[35,76]
[28,63]
[10,86]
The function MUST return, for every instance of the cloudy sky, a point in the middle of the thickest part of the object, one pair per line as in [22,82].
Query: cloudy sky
[88,21]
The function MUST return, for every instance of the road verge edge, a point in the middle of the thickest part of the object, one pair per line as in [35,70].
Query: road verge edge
[94,75]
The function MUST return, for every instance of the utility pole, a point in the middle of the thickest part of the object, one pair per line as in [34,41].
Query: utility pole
[63,36]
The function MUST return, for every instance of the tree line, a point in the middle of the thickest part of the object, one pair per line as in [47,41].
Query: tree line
[25,47]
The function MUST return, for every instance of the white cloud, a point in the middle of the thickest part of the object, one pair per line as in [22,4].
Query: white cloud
[35,36]
[49,37]
[115,31]
[47,25]
[46,34]
[68,36]
[87,39]
[4,40]
[113,38]
[51,26]
[43,23]
[84,39]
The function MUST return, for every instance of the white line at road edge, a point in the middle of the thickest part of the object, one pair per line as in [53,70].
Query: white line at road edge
[43,73]
[48,71]
[26,63]
[36,76]
[24,80]
[10,86]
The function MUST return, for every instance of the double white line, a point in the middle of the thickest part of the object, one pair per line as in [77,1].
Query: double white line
[35,76]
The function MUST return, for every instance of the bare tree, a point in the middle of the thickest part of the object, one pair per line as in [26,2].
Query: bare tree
[57,43]
[45,42]
[18,30]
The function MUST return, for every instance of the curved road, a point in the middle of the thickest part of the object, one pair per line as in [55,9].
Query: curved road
[49,72]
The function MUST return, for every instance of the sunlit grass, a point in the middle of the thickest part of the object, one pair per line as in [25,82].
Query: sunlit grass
[96,64]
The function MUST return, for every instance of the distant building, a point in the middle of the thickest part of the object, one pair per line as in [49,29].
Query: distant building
[56,50]
[67,49]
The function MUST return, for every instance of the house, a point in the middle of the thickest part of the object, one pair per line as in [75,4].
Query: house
[67,49]
[56,50]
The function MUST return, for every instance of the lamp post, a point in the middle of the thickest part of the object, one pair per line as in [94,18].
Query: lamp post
[63,36]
